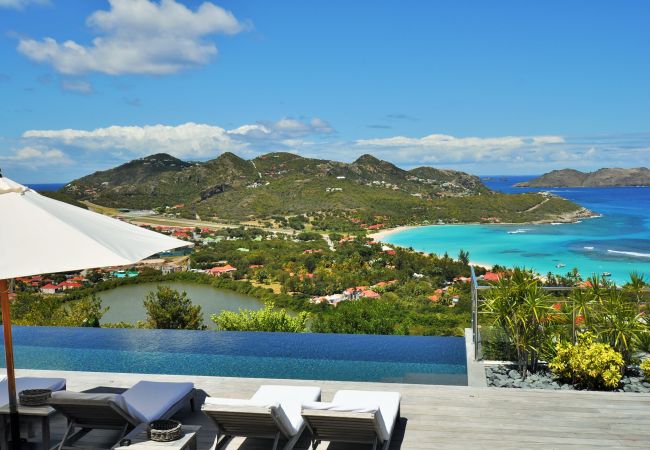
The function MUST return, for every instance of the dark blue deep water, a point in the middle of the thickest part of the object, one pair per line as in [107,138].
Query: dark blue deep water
[46,187]
[399,359]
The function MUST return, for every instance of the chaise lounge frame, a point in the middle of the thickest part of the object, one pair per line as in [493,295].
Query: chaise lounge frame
[88,415]
[344,426]
[250,422]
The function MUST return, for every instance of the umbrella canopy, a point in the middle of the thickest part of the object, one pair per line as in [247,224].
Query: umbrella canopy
[41,235]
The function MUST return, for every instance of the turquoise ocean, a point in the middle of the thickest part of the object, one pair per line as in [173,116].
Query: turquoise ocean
[618,242]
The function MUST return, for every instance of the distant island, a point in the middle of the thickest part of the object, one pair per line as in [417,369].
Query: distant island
[277,188]
[615,177]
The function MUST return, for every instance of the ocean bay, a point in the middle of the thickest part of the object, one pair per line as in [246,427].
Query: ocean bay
[617,242]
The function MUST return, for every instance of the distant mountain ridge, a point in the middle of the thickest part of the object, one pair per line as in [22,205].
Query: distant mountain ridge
[168,180]
[614,177]
[232,188]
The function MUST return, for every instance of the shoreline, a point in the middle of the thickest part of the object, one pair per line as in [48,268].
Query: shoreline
[380,235]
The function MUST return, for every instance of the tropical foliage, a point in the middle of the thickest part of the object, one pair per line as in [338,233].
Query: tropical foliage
[588,364]
[645,368]
[35,309]
[519,305]
[528,323]
[266,319]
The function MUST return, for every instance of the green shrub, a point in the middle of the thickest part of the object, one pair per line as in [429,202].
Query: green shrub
[266,319]
[588,364]
[645,368]
[169,309]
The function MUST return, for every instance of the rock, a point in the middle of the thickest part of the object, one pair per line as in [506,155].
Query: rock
[488,372]
[514,375]
[645,384]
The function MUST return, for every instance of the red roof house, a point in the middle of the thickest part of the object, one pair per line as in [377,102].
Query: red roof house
[369,293]
[491,276]
[220,270]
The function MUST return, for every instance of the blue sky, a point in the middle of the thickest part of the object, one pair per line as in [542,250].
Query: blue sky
[487,87]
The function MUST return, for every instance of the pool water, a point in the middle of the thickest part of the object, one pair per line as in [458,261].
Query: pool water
[397,359]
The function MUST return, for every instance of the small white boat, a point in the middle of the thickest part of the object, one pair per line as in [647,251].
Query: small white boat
[607,274]
[588,248]
[560,265]
[518,231]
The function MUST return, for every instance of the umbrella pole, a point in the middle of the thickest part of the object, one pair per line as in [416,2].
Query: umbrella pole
[11,376]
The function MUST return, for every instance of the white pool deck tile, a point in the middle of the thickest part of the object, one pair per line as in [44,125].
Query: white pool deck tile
[434,417]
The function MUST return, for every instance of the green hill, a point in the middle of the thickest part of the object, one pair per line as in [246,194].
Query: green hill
[286,184]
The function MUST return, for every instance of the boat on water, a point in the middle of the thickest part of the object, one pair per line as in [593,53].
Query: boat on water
[588,248]
[560,265]
[607,274]
[517,231]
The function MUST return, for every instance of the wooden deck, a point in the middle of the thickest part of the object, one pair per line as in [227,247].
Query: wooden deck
[438,417]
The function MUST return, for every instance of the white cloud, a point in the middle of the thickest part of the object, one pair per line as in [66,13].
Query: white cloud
[189,140]
[79,86]
[283,129]
[437,141]
[139,37]
[316,138]
[21,4]
[443,149]
[34,157]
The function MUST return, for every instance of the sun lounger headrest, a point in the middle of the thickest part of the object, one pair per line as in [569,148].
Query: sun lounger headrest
[380,424]
[273,408]
[342,407]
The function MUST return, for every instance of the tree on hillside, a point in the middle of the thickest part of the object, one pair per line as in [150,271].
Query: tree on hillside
[463,256]
[266,319]
[169,309]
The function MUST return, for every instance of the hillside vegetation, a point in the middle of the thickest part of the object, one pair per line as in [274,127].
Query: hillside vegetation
[368,191]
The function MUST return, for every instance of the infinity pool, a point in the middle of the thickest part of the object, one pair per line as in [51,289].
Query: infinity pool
[398,359]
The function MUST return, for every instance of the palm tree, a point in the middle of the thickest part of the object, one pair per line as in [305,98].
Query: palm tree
[618,322]
[519,305]
[635,287]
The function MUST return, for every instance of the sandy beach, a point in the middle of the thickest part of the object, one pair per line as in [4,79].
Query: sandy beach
[381,235]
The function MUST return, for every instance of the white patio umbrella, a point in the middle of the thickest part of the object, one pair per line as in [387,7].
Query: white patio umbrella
[41,235]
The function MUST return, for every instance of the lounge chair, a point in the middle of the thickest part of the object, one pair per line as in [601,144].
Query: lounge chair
[273,412]
[23,383]
[145,402]
[362,417]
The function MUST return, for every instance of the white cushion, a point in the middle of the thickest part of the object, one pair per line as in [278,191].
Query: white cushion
[273,408]
[22,383]
[221,401]
[150,400]
[327,406]
[291,399]
[388,403]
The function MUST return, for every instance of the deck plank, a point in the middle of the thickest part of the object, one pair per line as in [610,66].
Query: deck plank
[441,417]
